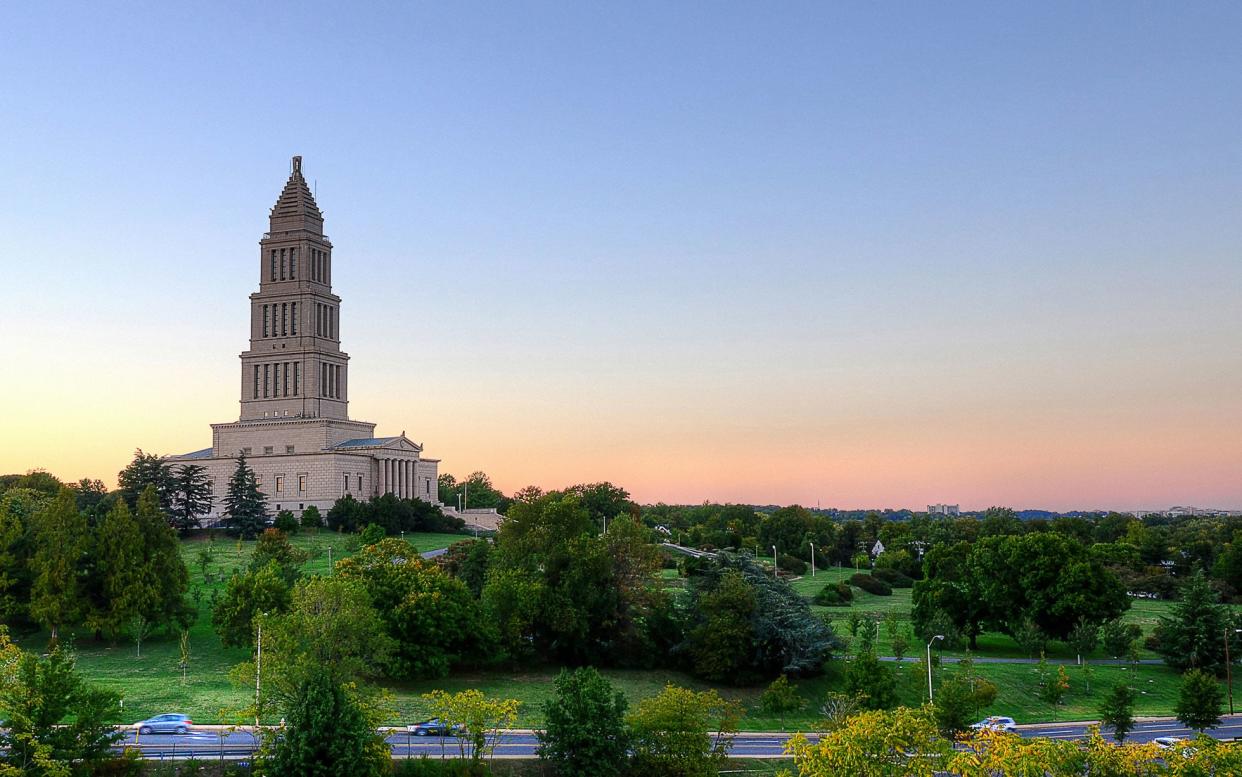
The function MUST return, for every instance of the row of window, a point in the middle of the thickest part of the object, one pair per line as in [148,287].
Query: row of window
[280,320]
[325,321]
[278,379]
[284,265]
[267,451]
[320,267]
[330,381]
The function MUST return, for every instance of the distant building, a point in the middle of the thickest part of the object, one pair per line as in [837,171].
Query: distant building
[944,510]
[294,427]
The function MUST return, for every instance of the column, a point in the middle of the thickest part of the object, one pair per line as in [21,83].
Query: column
[409,472]
[383,481]
[400,478]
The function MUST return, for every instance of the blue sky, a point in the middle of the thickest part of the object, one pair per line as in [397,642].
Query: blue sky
[856,253]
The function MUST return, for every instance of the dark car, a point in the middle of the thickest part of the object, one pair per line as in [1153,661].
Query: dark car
[172,723]
[435,728]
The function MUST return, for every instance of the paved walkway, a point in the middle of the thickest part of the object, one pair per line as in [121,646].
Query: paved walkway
[1000,660]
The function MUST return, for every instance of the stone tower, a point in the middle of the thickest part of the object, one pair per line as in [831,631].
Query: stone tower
[294,367]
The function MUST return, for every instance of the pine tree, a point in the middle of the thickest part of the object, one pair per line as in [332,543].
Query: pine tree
[60,544]
[147,469]
[244,505]
[328,735]
[191,496]
[119,552]
[166,579]
[1117,711]
[1199,701]
[1193,637]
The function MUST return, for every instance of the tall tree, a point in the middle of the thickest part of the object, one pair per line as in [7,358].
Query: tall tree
[1193,635]
[245,507]
[168,579]
[61,541]
[147,469]
[681,733]
[584,726]
[247,595]
[328,733]
[1199,700]
[1117,710]
[119,551]
[191,496]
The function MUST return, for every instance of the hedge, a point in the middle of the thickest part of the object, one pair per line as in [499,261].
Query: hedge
[871,585]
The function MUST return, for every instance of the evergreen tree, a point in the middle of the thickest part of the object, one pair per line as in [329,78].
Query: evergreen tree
[584,726]
[328,734]
[1117,711]
[119,552]
[1193,636]
[191,496]
[311,518]
[871,681]
[245,507]
[61,542]
[147,469]
[1199,700]
[167,578]
[263,590]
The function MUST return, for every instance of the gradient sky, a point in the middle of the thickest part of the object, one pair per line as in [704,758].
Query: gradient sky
[855,254]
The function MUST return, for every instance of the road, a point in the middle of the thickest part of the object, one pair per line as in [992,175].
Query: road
[220,743]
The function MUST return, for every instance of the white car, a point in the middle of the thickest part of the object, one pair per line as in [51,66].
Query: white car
[995,723]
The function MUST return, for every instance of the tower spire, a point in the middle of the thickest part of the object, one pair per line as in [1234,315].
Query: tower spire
[295,208]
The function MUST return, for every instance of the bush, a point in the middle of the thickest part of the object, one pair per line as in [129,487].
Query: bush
[286,522]
[372,534]
[893,577]
[791,564]
[871,585]
[424,766]
[311,519]
[834,595]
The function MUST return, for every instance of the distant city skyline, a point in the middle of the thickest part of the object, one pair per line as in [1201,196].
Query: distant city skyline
[861,256]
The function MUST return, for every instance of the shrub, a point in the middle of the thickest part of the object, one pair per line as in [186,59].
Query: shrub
[871,585]
[893,577]
[286,522]
[372,534]
[311,519]
[834,595]
[791,564]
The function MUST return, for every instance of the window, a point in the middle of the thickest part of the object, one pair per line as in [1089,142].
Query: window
[288,449]
[347,481]
[323,380]
[427,483]
[297,378]
[332,322]
[273,264]
[280,485]
[360,483]
[293,264]
[293,318]
[284,319]
[282,264]
[256,381]
[301,483]
[265,315]
[245,451]
[267,450]
[284,386]
[267,379]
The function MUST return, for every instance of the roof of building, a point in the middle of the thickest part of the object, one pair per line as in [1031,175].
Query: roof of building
[365,442]
[205,453]
[296,201]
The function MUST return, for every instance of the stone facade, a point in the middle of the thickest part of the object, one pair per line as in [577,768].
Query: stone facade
[294,426]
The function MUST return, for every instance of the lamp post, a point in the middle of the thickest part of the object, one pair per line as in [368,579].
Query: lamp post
[812,559]
[329,560]
[258,673]
[1229,667]
[929,678]
[774,569]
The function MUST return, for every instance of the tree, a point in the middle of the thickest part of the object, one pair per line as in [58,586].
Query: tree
[1193,635]
[120,557]
[480,716]
[958,699]
[672,733]
[1030,638]
[877,743]
[1199,700]
[285,522]
[60,538]
[781,697]
[468,561]
[168,579]
[584,726]
[147,469]
[311,519]
[719,647]
[56,723]
[247,595]
[245,507]
[190,496]
[867,678]
[1117,710]
[1116,637]
[949,590]
[328,733]
[274,545]
[1084,637]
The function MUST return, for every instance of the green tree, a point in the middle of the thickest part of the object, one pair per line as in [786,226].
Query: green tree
[1117,710]
[1199,700]
[61,542]
[120,555]
[311,519]
[949,590]
[720,646]
[247,595]
[371,534]
[190,496]
[168,578]
[1116,637]
[681,733]
[781,697]
[873,683]
[328,733]
[1030,638]
[1084,637]
[245,507]
[274,545]
[147,469]
[56,723]
[958,701]
[1193,635]
[584,726]
[285,522]
[468,561]
[482,718]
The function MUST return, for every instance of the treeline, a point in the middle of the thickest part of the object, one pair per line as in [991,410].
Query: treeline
[114,573]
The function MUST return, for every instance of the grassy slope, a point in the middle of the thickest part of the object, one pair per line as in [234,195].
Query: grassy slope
[152,684]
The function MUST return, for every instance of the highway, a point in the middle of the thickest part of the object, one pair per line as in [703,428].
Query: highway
[221,743]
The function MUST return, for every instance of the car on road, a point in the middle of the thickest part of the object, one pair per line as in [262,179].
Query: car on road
[435,728]
[995,723]
[172,723]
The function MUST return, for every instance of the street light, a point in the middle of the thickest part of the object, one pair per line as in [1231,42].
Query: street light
[812,559]
[1229,667]
[929,685]
[774,569]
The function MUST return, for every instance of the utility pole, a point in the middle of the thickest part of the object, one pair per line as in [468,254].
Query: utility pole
[929,679]
[258,673]
[812,559]
[774,567]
